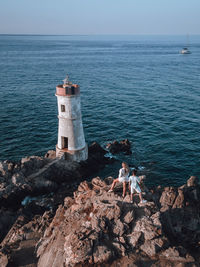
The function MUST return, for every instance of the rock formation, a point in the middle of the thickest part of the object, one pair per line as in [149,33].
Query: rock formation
[45,181]
[40,175]
[123,146]
[71,222]
[99,228]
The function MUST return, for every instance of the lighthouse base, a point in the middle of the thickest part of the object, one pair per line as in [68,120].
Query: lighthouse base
[72,155]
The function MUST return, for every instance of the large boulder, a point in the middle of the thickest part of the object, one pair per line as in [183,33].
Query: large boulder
[192,181]
[180,213]
[95,148]
[122,146]
[168,197]
[6,168]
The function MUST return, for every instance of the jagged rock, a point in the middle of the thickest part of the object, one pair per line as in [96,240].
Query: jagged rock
[129,217]
[179,202]
[167,198]
[18,179]
[7,218]
[3,260]
[41,175]
[149,230]
[182,219]
[118,228]
[98,227]
[68,202]
[6,168]
[95,148]
[192,181]
[152,247]
[31,164]
[51,154]
[18,247]
[173,254]
[92,226]
[156,219]
[122,146]
[102,254]
[134,238]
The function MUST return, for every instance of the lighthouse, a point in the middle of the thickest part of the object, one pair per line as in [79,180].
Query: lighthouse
[71,140]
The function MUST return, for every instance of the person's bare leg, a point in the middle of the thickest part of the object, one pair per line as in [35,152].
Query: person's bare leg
[124,189]
[113,184]
[140,196]
[131,197]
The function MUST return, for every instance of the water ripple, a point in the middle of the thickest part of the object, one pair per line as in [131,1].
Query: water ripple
[138,88]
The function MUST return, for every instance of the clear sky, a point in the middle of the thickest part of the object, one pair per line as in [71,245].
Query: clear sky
[100,16]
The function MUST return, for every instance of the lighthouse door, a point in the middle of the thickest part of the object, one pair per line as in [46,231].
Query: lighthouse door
[64,142]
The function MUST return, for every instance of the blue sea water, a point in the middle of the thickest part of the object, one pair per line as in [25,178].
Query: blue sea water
[135,87]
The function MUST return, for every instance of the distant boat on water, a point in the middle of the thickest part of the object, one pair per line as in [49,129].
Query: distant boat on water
[186,50]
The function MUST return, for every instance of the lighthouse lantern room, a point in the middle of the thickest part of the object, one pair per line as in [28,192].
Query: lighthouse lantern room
[71,141]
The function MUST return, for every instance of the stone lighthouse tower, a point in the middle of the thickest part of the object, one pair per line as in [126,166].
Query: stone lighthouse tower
[71,141]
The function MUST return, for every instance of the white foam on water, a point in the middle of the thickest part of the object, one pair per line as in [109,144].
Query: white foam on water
[27,200]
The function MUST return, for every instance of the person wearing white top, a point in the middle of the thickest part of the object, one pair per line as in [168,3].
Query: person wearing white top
[134,182]
[123,178]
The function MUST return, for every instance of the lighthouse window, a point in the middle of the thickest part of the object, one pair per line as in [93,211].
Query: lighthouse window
[62,108]
[73,90]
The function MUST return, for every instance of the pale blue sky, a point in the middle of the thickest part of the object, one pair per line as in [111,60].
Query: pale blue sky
[100,16]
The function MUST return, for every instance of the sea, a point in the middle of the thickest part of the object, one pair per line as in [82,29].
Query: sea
[136,87]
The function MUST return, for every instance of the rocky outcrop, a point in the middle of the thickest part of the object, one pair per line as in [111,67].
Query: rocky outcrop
[97,227]
[51,154]
[180,213]
[69,222]
[18,247]
[43,181]
[123,146]
[95,148]
[41,175]
[7,218]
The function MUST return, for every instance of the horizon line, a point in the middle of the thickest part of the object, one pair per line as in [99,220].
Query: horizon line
[102,34]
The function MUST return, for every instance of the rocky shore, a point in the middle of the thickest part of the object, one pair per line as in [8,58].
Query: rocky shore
[74,222]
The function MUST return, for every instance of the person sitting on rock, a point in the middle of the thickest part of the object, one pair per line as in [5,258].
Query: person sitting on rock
[134,182]
[123,178]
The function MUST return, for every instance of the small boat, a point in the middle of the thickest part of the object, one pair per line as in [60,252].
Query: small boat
[185,50]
